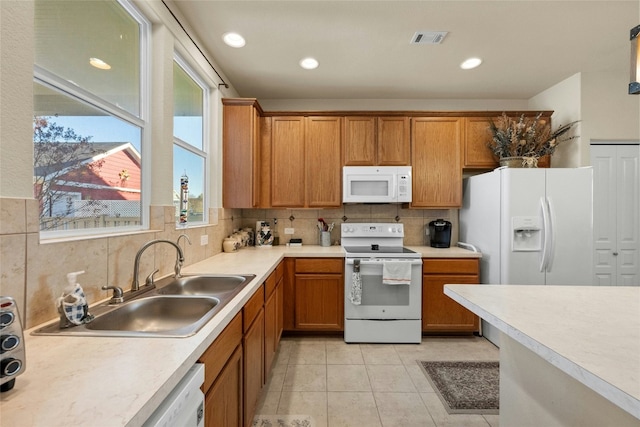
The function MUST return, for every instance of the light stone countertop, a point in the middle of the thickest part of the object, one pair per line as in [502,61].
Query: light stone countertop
[592,333]
[110,381]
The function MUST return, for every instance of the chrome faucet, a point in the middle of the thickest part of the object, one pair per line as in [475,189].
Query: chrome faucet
[135,284]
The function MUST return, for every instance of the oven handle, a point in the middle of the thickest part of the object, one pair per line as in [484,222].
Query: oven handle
[379,261]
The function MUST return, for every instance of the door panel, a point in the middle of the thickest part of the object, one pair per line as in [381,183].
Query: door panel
[569,192]
[616,211]
[522,190]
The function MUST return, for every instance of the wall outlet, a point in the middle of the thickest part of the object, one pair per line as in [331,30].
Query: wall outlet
[204,239]
[288,230]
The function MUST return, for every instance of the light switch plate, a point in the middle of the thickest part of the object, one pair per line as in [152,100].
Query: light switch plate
[288,230]
[204,239]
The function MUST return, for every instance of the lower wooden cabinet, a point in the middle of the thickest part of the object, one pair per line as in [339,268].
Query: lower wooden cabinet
[223,382]
[273,316]
[223,402]
[439,312]
[316,296]
[253,353]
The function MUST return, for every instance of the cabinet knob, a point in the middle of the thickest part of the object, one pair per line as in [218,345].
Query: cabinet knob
[615,254]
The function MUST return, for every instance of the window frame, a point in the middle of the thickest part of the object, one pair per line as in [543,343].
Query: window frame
[205,152]
[52,81]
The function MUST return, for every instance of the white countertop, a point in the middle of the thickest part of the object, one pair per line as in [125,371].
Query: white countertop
[121,381]
[592,333]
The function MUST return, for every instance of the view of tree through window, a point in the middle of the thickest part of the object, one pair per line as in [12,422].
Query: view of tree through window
[88,124]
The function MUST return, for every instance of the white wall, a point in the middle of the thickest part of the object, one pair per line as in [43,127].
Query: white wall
[608,111]
[600,100]
[564,99]
[16,99]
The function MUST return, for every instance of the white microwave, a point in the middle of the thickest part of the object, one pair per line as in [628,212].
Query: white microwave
[376,184]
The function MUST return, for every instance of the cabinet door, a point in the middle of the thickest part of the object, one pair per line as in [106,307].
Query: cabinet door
[393,148]
[323,164]
[253,343]
[279,311]
[439,312]
[359,141]
[476,152]
[270,331]
[287,162]
[241,154]
[223,402]
[436,161]
[319,302]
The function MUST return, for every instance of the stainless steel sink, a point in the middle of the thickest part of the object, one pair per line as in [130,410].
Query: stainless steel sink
[204,285]
[173,315]
[175,308]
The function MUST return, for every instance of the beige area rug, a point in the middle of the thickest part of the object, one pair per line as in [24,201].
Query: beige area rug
[283,421]
[465,387]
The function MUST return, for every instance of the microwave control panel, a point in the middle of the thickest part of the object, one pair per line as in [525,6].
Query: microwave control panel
[404,188]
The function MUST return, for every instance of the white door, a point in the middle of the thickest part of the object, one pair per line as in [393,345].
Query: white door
[522,192]
[616,211]
[569,196]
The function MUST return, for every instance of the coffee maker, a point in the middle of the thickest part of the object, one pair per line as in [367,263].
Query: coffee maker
[440,233]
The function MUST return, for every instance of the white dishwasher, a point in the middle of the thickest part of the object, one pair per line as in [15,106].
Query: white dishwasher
[184,407]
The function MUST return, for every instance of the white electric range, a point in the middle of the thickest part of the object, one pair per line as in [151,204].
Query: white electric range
[376,312]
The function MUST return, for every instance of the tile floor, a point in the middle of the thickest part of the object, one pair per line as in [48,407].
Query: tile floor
[368,385]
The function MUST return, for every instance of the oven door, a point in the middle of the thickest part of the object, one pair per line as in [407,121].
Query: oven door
[380,301]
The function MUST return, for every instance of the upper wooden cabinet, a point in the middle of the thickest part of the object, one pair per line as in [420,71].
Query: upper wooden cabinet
[376,141]
[306,161]
[287,161]
[436,147]
[241,153]
[323,165]
[476,154]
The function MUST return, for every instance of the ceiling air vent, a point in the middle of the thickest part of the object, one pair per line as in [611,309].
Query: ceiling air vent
[428,37]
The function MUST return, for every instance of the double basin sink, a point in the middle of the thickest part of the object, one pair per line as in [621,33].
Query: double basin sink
[176,307]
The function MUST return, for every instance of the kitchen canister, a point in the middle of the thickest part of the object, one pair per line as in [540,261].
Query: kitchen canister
[325,238]
[229,244]
[264,238]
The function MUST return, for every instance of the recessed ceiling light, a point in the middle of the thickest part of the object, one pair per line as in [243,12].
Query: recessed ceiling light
[234,39]
[309,63]
[471,63]
[99,63]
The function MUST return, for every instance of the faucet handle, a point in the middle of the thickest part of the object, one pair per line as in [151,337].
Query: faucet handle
[117,297]
[149,280]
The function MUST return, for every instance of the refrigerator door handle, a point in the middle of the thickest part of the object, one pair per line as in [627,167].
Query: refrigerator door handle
[552,235]
[546,227]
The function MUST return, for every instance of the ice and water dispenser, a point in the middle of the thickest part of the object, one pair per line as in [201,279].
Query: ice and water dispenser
[526,234]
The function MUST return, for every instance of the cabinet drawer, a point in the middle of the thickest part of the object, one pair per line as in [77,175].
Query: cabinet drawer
[252,308]
[216,356]
[319,265]
[270,285]
[450,265]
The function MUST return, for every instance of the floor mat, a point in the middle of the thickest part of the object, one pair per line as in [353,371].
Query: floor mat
[465,387]
[283,421]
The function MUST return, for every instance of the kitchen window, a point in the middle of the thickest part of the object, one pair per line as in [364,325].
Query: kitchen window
[190,139]
[90,114]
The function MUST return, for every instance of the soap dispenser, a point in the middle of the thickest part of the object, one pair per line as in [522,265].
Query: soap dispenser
[72,305]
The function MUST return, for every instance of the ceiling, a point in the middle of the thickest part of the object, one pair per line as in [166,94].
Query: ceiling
[364,51]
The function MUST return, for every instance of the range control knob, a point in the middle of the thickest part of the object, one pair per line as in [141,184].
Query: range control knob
[8,342]
[10,366]
[6,318]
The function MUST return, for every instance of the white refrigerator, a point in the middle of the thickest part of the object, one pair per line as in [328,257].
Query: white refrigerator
[532,226]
